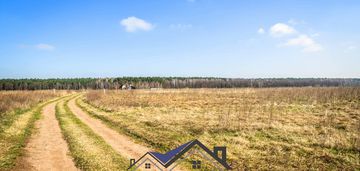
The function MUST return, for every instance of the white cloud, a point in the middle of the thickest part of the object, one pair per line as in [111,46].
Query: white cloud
[281,29]
[304,41]
[261,30]
[293,37]
[43,46]
[133,24]
[181,26]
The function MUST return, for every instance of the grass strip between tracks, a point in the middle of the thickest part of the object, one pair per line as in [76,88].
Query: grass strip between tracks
[89,150]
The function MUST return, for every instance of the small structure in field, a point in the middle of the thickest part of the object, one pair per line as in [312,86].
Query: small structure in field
[128,87]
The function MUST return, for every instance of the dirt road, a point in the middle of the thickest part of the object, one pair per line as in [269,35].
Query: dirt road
[123,144]
[46,149]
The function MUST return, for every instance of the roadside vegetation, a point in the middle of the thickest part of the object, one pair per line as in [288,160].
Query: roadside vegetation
[22,100]
[272,128]
[89,150]
[19,111]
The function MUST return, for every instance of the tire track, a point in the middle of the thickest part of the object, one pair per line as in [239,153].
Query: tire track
[123,144]
[46,149]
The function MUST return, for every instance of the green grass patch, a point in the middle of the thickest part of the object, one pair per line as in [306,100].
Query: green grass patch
[8,118]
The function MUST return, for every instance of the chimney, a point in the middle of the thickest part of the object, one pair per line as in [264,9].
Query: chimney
[223,153]
[132,162]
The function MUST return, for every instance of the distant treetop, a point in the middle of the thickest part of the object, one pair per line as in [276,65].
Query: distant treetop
[171,82]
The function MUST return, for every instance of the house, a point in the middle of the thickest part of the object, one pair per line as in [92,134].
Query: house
[192,154]
[131,87]
[128,87]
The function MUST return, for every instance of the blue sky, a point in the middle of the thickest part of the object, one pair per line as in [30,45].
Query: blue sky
[220,38]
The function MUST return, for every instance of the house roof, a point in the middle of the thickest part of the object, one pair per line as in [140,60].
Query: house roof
[164,158]
[171,156]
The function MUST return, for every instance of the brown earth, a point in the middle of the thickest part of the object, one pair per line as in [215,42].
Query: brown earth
[46,149]
[121,143]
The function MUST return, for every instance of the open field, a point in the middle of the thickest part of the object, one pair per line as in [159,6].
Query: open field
[276,128]
[179,85]
[270,128]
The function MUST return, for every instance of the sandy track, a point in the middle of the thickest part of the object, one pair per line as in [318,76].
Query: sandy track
[123,144]
[46,149]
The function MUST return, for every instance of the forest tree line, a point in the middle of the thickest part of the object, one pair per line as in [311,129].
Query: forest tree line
[169,82]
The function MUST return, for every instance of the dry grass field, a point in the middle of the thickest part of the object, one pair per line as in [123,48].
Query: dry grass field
[270,128]
[18,112]
[20,100]
[263,129]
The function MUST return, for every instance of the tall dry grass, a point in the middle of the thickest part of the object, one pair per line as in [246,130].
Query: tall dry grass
[11,100]
[276,128]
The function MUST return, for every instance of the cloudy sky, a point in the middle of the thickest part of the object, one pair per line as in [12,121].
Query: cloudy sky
[220,38]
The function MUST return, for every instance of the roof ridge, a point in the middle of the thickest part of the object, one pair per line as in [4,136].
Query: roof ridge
[171,156]
[166,157]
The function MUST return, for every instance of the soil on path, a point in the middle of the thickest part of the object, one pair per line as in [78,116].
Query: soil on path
[46,149]
[121,143]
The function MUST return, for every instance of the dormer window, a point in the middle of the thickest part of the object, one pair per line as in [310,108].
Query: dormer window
[147,166]
[196,164]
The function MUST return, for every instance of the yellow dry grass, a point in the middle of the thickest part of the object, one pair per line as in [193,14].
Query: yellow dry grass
[272,128]
[11,100]
[19,110]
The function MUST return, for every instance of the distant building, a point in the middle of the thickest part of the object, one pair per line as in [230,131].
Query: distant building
[128,87]
[201,158]
[131,87]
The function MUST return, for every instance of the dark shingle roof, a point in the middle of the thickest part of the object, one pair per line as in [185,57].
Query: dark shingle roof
[164,158]
[170,157]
